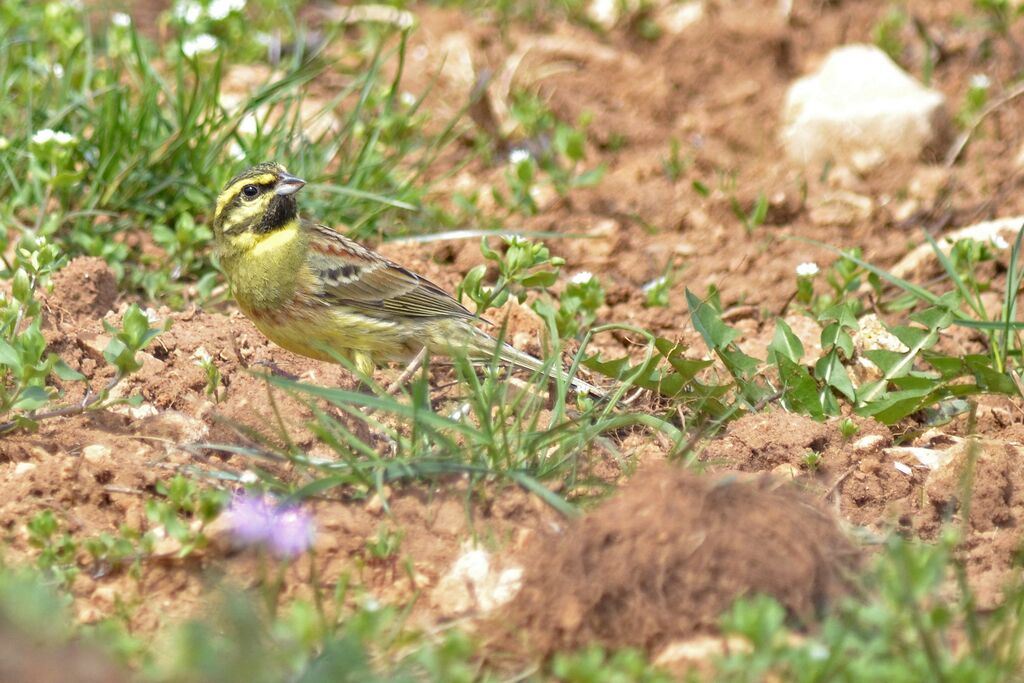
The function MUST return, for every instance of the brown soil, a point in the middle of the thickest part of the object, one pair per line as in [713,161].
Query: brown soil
[667,556]
[717,88]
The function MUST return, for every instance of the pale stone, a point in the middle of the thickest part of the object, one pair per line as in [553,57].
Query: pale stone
[674,18]
[868,442]
[96,452]
[23,468]
[872,336]
[841,208]
[475,584]
[927,457]
[786,470]
[699,649]
[996,232]
[860,108]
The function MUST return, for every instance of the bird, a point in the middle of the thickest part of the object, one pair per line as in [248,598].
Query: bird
[317,293]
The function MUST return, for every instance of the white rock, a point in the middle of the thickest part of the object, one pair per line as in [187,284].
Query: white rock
[868,442]
[928,457]
[675,18]
[96,452]
[998,232]
[23,468]
[860,106]
[474,584]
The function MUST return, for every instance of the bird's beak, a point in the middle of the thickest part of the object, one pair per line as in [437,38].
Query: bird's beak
[288,184]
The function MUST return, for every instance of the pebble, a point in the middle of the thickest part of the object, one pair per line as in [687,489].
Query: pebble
[96,452]
[861,109]
[23,468]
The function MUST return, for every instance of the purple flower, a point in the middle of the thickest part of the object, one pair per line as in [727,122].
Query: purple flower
[287,530]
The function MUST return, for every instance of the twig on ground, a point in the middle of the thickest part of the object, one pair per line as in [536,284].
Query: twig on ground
[961,142]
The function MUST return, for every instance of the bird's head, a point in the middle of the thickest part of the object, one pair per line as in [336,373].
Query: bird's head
[258,200]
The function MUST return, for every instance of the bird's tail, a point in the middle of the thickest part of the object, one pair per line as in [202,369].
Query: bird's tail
[486,345]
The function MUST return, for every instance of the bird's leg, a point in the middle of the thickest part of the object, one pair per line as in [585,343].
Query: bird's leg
[407,374]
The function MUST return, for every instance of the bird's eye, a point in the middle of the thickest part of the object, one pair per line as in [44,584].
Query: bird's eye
[250,191]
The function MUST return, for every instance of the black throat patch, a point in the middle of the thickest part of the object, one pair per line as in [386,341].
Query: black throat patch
[281,211]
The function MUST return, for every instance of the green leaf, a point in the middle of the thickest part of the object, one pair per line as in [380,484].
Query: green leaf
[31,398]
[541,279]
[989,379]
[708,322]
[67,373]
[899,404]
[785,343]
[891,363]
[948,366]
[9,357]
[488,253]
[800,389]
[742,366]
[833,373]
[835,335]
[136,327]
[910,336]
[841,313]
[120,356]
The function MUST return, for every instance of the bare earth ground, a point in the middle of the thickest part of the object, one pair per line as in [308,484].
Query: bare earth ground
[717,87]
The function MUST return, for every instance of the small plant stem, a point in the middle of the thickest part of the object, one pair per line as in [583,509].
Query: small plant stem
[89,401]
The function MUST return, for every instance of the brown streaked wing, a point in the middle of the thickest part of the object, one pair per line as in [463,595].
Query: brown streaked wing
[354,276]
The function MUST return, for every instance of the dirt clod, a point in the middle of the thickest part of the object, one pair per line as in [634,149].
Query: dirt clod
[85,288]
[663,559]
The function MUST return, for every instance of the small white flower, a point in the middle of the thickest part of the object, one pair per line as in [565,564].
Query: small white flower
[999,242]
[201,44]
[980,82]
[582,277]
[57,70]
[249,477]
[407,98]
[48,135]
[121,20]
[43,136]
[807,269]
[188,11]
[4,143]
[63,139]
[220,9]
[655,283]
[517,155]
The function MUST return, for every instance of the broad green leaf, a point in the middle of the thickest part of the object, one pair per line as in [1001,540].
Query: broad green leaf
[799,388]
[67,373]
[836,335]
[708,322]
[785,343]
[31,398]
[891,363]
[833,373]
[9,357]
[948,366]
